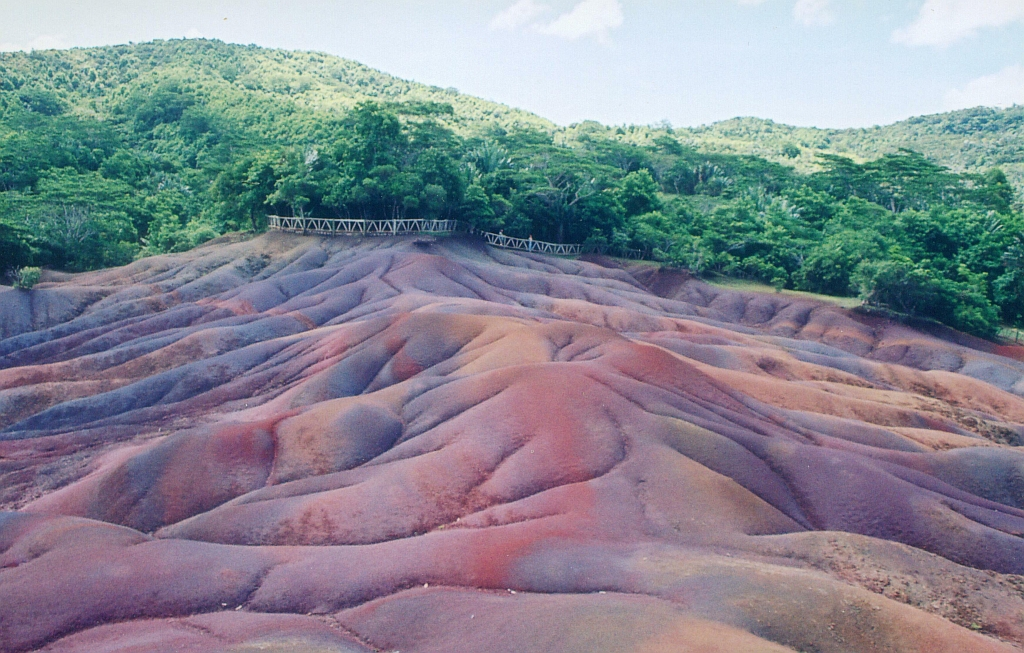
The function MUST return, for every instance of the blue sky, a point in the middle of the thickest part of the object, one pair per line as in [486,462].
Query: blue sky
[825,63]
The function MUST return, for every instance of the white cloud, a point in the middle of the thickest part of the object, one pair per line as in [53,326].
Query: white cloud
[588,18]
[813,13]
[193,33]
[751,3]
[41,42]
[518,15]
[1002,89]
[944,22]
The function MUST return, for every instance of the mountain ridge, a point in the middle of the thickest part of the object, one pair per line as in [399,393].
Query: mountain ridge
[964,140]
[311,80]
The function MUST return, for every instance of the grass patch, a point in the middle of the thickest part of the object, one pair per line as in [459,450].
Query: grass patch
[746,285]
[1012,335]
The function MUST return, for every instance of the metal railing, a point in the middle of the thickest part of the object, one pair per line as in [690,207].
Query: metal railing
[346,227]
[342,226]
[531,245]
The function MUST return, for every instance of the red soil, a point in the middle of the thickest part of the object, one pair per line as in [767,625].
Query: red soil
[299,444]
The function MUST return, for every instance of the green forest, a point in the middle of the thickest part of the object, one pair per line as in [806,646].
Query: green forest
[110,154]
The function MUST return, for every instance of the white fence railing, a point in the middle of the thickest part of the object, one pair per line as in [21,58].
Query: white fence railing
[346,227]
[531,245]
[342,226]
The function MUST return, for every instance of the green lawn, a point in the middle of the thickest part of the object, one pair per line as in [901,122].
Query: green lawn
[746,285]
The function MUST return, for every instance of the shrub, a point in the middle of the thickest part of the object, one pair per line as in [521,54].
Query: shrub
[829,266]
[25,278]
[906,288]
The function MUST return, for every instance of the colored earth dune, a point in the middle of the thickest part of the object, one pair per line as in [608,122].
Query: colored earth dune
[310,444]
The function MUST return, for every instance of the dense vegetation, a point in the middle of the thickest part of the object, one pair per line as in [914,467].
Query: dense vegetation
[969,140]
[108,154]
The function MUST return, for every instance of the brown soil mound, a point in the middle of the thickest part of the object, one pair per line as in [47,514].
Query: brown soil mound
[303,444]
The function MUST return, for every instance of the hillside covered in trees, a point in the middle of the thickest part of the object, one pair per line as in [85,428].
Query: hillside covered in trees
[108,154]
[970,140]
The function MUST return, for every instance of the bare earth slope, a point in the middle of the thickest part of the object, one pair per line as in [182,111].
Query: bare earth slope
[301,444]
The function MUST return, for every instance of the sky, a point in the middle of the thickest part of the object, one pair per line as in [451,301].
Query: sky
[822,63]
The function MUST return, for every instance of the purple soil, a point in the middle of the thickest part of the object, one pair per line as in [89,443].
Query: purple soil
[304,444]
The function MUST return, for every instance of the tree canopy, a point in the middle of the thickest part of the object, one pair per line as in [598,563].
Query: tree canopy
[107,154]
